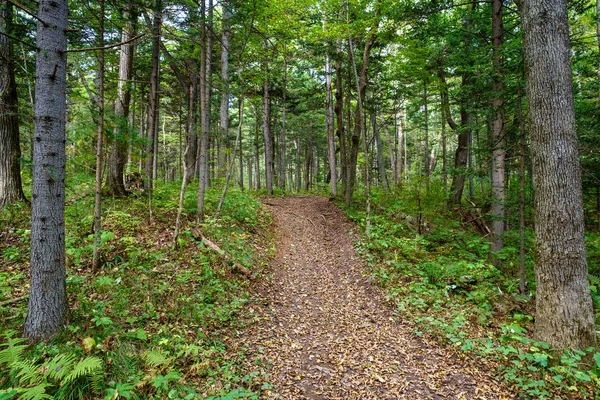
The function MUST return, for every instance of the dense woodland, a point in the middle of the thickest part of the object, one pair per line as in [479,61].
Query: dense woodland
[460,136]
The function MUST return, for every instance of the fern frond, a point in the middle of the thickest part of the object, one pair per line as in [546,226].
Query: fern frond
[35,393]
[27,372]
[60,366]
[6,394]
[13,351]
[89,366]
[96,383]
[155,358]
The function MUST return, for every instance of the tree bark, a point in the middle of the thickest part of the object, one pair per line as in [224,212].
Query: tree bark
[96,256]
[401,160]
[118,153]
[48,308]
[330,130]
[426,128]
[378,145]
[522,281]
[498,154]
[153,108]
[11,188]
[564,314]
[224,117]
[265,125]
[390,146]
[205,66]
[361,87]
[283,144]
[339,113]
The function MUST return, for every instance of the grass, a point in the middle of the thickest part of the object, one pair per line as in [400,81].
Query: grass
[160,320]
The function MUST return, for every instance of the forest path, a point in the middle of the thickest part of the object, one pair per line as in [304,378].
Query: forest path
[329,334]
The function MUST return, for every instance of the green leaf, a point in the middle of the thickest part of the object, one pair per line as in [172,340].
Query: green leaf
[582,376]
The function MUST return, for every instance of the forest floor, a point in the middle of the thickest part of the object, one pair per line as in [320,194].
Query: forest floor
[326,332]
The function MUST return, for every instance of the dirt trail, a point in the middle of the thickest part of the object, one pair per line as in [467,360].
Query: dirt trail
[329,334]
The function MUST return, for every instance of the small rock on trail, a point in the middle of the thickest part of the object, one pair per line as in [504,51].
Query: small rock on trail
[327,333]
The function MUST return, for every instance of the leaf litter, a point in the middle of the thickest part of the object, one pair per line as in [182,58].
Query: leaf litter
[323,331]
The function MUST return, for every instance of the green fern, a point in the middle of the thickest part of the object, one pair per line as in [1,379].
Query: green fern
[35,393]
[155,359]
[14,348]
[59,366]
[62,375]
[27,373]
[90,367]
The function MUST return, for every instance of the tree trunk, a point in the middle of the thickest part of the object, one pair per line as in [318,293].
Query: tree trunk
[330,130]
[118,153]
[250,171]
[564,314]
[11,189]
[390,146]
[444,151]
[191,139]
[298,174]
[265,125]
[48,308]
[96,258]
[522,281]
[205,65]
[401,160]
[426,128]
[224,120]
[153,108]
[361,87]
[256,148]
[380,160]
[283,145]
[339,113]
[497,133]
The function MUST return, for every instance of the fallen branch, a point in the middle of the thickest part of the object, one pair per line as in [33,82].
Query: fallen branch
[197,234]
[13,300]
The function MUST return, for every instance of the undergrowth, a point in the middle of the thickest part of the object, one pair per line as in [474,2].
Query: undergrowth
[153,322]
[435,271]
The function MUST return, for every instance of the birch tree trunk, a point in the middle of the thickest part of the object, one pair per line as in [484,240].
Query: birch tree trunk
[48,308]
[564,314]
[11,189]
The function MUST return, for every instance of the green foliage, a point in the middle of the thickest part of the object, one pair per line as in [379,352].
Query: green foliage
[436,272]
[62,376]
[155,317]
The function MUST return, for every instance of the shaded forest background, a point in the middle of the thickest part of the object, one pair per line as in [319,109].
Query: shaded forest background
[412,115]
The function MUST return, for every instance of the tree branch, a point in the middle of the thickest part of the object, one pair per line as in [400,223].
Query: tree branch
[18,40]
[105,47]
[23,8]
